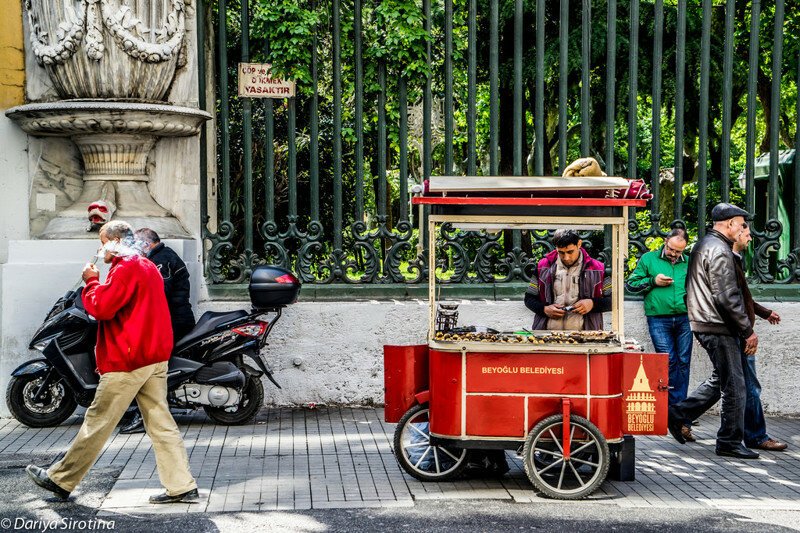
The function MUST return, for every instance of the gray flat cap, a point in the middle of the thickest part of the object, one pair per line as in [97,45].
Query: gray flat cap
[723,211]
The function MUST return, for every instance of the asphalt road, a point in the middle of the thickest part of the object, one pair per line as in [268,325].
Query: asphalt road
[25,507]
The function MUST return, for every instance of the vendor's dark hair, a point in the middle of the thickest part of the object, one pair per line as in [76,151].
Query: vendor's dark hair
[565,237]
[678,232]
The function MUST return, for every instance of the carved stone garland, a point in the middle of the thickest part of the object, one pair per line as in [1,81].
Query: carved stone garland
[120,22]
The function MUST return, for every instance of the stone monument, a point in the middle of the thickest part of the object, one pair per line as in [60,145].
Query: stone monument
[112,65]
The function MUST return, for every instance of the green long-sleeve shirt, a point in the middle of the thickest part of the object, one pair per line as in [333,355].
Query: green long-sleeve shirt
[667,300]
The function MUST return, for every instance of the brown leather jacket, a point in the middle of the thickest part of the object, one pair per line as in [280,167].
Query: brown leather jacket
[713,294]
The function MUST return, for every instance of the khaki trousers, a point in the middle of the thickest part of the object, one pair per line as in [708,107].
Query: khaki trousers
[114,394]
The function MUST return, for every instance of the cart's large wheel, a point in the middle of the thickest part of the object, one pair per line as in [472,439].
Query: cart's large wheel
[416,454]
[570,479]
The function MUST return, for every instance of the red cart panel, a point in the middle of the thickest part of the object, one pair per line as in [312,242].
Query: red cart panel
[503,395]
[644,380]
[496,416]
[446,393]
[540,408]
[528,372]
[605,373]
[405,373]
[605,415]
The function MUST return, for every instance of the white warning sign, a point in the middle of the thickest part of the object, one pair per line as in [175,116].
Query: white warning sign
[256,81]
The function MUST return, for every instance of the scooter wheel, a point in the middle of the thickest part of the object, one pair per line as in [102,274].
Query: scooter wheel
[252,401]
[56,405]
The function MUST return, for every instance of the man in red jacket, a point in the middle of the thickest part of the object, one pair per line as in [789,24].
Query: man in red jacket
[134,340]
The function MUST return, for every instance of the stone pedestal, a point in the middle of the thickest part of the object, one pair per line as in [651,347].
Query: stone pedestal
[114,140]
[37,273]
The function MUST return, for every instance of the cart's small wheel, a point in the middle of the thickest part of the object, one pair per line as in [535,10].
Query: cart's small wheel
[573,478]
[416,454]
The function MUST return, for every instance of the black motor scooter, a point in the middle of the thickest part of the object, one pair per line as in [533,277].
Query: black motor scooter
[207,368]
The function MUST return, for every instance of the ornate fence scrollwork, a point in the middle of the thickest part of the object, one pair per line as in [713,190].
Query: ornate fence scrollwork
[308,252]
[788,270]
[221,248]
[767,242]
[394,257]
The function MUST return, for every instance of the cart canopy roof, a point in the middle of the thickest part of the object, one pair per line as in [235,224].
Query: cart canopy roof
[533,191]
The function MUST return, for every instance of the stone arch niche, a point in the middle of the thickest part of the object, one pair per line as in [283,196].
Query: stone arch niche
[111,64]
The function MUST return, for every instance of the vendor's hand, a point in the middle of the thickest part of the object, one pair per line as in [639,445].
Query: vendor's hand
[774,318]
[751,344]
[90,271]
[583,306]
[554,311]
[663,281]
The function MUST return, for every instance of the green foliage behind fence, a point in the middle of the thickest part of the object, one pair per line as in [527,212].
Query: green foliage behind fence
[393,91]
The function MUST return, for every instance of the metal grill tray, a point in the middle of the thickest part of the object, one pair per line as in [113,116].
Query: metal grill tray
[536,341]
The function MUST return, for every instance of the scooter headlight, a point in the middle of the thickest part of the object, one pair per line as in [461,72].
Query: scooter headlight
[41,345]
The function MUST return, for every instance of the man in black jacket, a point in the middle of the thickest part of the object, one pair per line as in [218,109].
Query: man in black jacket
[176,286]
[176,280]
[719,320]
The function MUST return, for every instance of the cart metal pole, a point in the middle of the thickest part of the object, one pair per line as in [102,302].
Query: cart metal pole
[619,247]
[432,278]
[616,284]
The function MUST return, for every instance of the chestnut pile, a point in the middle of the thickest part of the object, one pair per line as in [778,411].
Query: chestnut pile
[538,337]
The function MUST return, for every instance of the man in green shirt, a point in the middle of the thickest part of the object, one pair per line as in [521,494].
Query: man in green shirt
[660,276]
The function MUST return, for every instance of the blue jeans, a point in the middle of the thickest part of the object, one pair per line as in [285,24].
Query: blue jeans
[672,335]
[755,425]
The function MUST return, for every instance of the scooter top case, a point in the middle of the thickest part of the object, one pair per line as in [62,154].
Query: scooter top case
[272,286]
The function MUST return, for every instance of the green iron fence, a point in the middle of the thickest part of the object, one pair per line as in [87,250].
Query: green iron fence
[390,92]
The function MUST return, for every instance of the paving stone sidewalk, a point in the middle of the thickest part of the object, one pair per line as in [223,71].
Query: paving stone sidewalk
[342,458]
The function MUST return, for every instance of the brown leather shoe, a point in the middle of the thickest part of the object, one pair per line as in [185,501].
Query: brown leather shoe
[686,433]
[772,445]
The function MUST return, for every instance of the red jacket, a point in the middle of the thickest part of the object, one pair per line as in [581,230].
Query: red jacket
[134,328]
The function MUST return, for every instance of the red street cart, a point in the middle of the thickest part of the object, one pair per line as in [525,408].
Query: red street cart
[570,400]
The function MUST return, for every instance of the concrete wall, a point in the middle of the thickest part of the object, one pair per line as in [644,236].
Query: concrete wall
[14,183]
[331,352]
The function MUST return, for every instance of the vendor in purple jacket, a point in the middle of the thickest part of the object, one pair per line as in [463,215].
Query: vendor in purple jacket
[569,290]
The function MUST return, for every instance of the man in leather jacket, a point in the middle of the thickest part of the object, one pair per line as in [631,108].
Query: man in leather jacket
[720,323]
